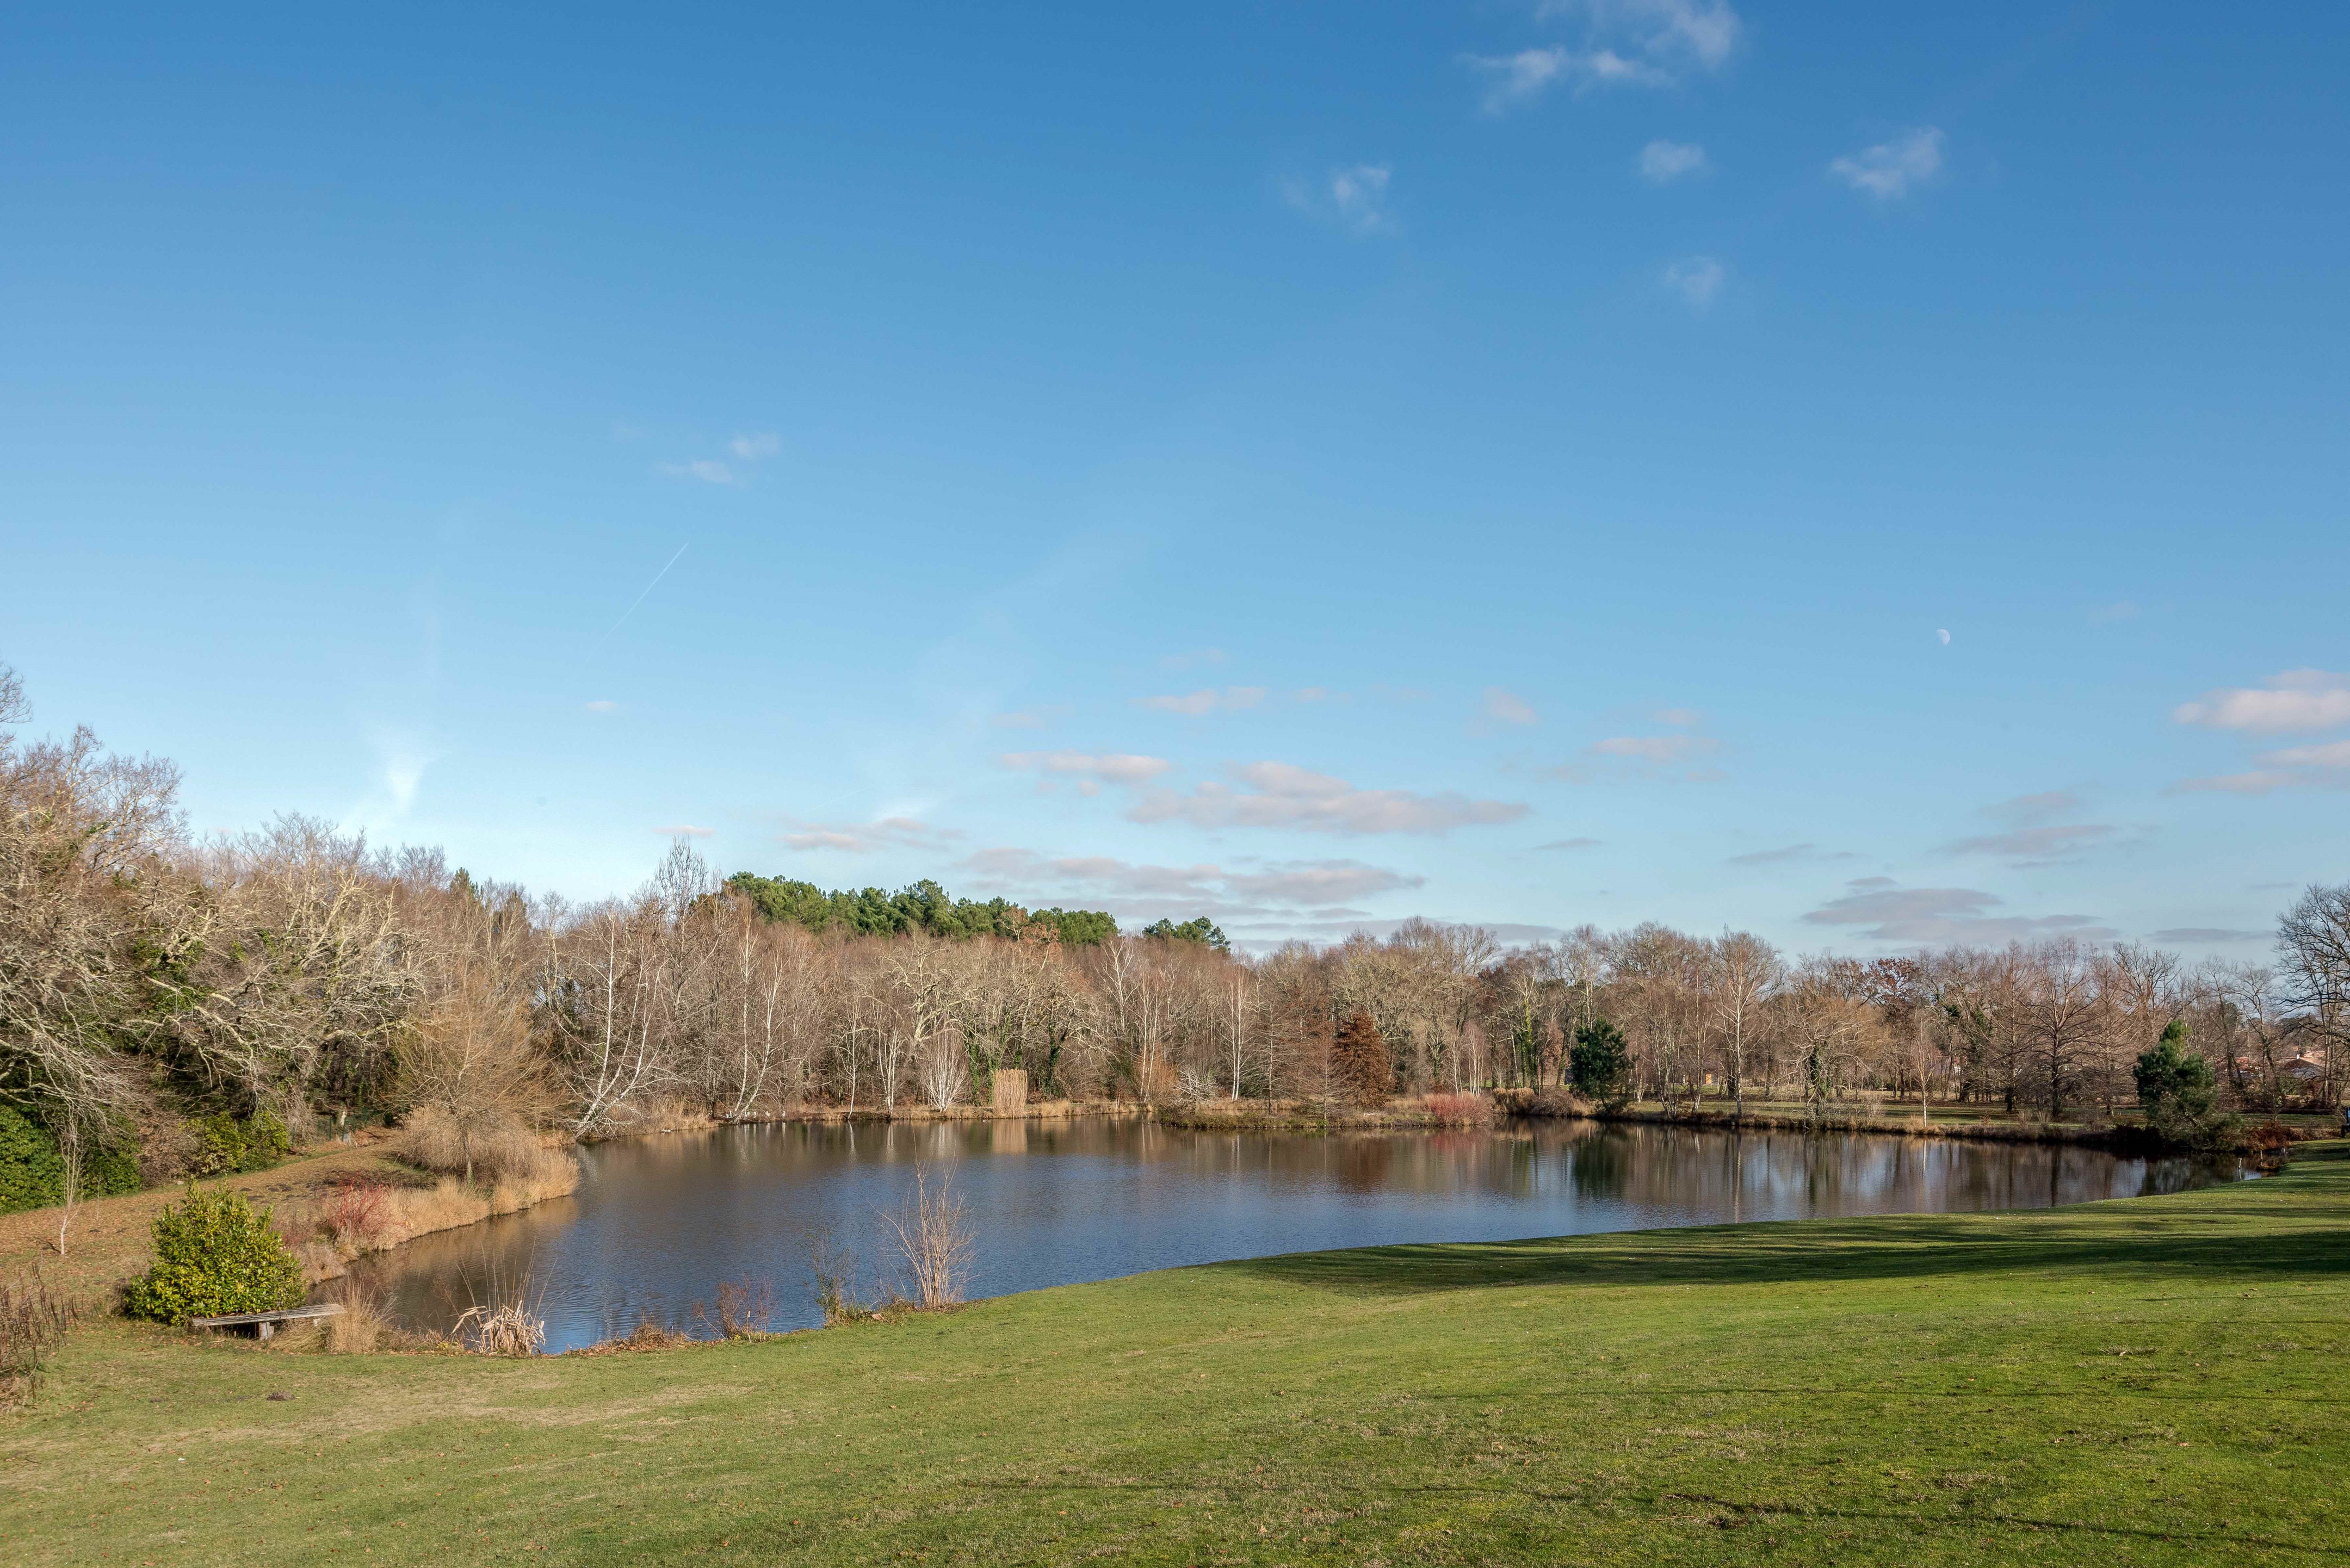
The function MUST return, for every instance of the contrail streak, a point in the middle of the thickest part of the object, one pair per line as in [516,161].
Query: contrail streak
[640,598]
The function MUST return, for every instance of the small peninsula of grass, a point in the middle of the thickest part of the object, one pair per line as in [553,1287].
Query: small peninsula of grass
[2149,1381]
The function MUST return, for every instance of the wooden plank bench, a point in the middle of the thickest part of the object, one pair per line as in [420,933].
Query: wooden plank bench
[264,1324]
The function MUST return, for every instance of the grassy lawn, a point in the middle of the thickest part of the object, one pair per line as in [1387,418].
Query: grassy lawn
[2152,1381]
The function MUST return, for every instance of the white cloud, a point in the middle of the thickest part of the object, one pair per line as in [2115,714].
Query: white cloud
[1354,199]
[1207,700]
[1280,795]
[864,837]
[1626,43]
[1681,716]
[1507,706]
[1790,855]
[1929,916]
[2256,782]
[752,448]
[603,705]
[1319,887]
[1664,161]
[2026,809]
[2332,755]
[1519,77]
[2296,699]
[1891,169]
[1660,748]
[1360,196]
[1103,767]
[682,830]
[2033,847]
[1696,279]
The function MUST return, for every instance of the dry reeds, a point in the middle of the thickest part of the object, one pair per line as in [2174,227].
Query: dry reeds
[504,1318]
[934,1242]
[491,1148]
[33,1319]
[743,1310]
[362,1326]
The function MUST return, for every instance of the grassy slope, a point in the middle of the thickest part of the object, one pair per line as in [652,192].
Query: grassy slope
[1912,1390]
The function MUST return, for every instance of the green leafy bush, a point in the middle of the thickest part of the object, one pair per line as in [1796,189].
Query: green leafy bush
[225,1144]
[214,1254]
[33,1171]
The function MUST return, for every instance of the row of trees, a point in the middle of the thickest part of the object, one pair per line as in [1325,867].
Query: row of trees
[147,982]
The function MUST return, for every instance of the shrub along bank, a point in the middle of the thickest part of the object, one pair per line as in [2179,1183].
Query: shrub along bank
[2151,1381]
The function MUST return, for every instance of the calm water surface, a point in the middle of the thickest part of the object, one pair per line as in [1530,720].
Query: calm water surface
[658,1222]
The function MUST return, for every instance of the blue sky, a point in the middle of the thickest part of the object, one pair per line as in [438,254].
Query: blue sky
[1867,474]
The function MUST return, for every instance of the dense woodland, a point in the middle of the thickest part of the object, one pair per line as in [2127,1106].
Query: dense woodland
[296,975]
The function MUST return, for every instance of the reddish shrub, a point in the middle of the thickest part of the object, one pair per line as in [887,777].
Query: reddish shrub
[356,1211]
[1450,1107]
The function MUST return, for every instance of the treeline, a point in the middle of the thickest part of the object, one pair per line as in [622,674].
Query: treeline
[924,906]
[161,998]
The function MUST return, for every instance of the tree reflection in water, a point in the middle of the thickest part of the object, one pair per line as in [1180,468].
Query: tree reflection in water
[659,1221]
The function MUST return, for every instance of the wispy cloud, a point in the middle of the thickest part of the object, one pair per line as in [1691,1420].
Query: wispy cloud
[2296,699]
[1506,707]
[2035,836]
[1891,170]
[1320,889]
[1662,162]
[1569,844]
[1208,700]
[1886,911]
[1663,750]
[1089,770]
[1696,279]
[1354,199]
[1624,43]
[2200,935]
[864,837]
[684,830]
[1280,795]
[2326,766]
[603,705]
[747,451]
[1790,855]
[2031,847]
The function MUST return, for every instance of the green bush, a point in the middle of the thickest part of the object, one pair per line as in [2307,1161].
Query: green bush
[2181,1099]
[225,1144]
[33,1172]
[1599,1064]
[214,1254]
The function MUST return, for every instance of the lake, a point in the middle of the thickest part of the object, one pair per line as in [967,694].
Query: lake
[658,1222]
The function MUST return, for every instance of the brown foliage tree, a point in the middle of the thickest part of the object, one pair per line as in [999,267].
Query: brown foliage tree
[1362,1060]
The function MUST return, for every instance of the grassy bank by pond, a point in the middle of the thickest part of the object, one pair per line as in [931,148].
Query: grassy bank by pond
[2149,1381]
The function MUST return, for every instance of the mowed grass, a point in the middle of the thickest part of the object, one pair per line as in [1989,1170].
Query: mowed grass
[2152,1381]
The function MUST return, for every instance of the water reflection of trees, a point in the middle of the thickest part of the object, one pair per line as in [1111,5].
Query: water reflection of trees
[659,1221]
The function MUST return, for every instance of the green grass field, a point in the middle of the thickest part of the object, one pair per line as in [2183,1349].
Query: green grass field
[2152,1381]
